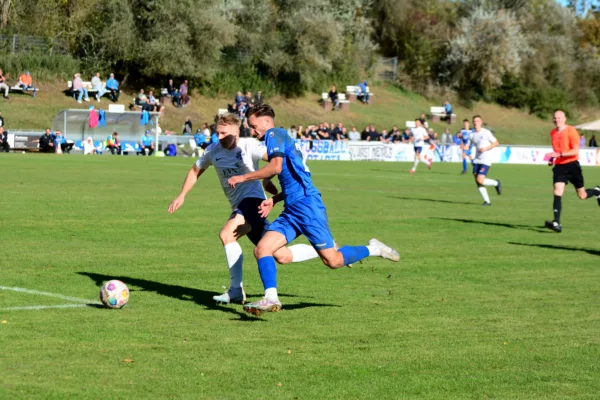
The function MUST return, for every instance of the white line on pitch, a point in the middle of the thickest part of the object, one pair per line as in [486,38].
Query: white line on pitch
[37,292]
[44,307]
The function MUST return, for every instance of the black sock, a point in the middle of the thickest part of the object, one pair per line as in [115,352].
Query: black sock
[557,208]
[591,193]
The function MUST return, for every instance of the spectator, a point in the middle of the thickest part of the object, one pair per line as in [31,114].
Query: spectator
[147,143]
[305,134]
[448,109]
[114,144]
[395,135]
[354,135]
[373,135]
[338,129]
[200,140]
[206,130]
[364,94]
[581,141]
[343,135]
[245,129]
[258,100]
[183,90]
[239,98]
[61,143]
[142,100]
[4,140]
[26,82]
[406,136]
[88,146]
[153,104]
[1,119]
[112,86]
[77,87]
[395,131]
[46,142]
[384,136]
[446,137]
[592,142]
[324,133]
[293,132]
[333,96]
[187,126]
[98,86]
[423,120]
[249,100]
[3,85]
[365,133]
[214,136]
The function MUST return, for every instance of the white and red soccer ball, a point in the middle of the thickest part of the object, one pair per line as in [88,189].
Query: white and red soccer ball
[114,294]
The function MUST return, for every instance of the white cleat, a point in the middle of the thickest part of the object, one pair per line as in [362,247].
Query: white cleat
[386,251]
[233,295]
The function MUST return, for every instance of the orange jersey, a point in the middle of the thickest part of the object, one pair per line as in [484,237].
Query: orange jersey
[565,140]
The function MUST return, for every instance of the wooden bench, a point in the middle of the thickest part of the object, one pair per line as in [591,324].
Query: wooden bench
[353,93]
[328,105]
[21,90]
[438,114]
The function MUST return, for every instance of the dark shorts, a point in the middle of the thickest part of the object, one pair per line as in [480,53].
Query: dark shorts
[480,169]
[418,149]
[248,208]
[570,172]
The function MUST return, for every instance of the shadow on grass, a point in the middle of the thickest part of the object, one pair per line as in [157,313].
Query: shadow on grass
[198,296]
[462,203]
[554,247]
[533,228]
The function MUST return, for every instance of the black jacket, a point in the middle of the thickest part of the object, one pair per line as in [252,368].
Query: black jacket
[45,140]
[4,137]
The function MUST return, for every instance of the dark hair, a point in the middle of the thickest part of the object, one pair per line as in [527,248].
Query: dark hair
[466,120]
[261,110]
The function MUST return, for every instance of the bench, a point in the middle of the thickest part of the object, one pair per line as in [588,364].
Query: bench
[411,124]
[328,105]
[20,89]
[438,114]
[353,93]
[222,111]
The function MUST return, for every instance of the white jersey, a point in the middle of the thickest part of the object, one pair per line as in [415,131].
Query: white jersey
[419,134]
[241,160]
[481,139]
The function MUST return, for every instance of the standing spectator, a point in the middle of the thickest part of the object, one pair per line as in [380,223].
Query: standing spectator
[147,143]
[77,87]
[333,96]
[46,142]
[395,135]
[373,135]
[26,82]
[337,130]
[258,100]
[249,100]
[187,126]
[174,93]
[4,140]
[446,137]
[112,86]
[343,135]
[592,142]
[3,85]
[245,129]
[354,135]
[324,133]
[383,137]
[206,131]
[114,144]
[183,91]
[239,98]
[364,94]
[423,120]
[581,141]
[98,86]
[365,133]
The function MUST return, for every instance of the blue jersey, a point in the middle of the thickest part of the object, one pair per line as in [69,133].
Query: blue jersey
[466,136]
[295,179]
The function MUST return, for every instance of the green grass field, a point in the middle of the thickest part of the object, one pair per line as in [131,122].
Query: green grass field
[484,303]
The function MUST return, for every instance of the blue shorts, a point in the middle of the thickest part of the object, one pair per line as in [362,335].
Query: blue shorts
[248,208]
[418,149]
[306,217]
[480,169]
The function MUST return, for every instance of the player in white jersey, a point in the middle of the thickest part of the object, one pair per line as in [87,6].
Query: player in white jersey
[484,141]
[233,156]
[419,135]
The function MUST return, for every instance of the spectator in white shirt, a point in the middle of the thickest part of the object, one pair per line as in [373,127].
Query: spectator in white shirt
[354,135]
[98,86]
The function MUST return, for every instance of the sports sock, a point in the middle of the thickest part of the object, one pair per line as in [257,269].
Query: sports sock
[271,294]
[490,182]
[557,208]
[353,254]
[484,194]
[235,259]
[302,252]
[464,164]
[415,163]
[267,271]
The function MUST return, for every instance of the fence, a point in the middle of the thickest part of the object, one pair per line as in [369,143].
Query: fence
[31,44]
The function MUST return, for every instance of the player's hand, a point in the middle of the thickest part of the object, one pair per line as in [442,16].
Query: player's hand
[234,180]
[554,154]
[175,204]
[265,207]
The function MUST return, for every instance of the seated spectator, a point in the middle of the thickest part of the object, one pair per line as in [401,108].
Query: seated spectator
[153,104]
[239,98]
[183,91]
[337,130]
[187,126]
[112,86]
[46,142]
[88,146]
[142,100]
[258,100]
[343,135]
[354,135]
[26,82]
[446,137]
[61,143]
[333,96]
[363,94]
[173,91]
[78,87]
[147,143]
[406,136]
[113,143]
[592,142]
[214,136]
[4,140]
[200,139]
[383,137]
[448,109]
[373,136]
[1,119]
[98,86]
[3,85]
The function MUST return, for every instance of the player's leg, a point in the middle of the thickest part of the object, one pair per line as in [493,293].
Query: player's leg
[234,228]
[559,189]
[417,157]
[480,172]
[465,156]
[575,176]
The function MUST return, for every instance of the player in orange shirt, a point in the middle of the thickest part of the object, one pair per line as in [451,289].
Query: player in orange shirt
[564,157]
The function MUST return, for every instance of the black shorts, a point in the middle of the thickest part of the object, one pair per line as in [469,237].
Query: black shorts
[248,208]
[570,172]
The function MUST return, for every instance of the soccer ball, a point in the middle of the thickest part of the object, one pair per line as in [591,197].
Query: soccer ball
[114,294]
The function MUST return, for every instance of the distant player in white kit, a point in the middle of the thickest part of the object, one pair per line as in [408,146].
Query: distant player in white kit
[484,141]
[232,156]
[418,139]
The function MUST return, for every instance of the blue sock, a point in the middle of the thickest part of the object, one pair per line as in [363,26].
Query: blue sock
[464,164]
[268,272]
[353,254]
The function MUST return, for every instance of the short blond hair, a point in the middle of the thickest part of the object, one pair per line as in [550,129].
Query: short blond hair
[227,119]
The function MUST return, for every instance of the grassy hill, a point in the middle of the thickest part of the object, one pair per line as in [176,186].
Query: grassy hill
[391,106]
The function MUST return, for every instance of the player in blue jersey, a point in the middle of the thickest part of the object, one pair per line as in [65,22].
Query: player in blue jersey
[303,212]
[466,145]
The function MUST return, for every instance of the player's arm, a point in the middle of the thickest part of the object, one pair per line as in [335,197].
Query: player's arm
[491,146]
[189,182]
[268,171]
[270,187]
